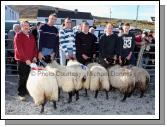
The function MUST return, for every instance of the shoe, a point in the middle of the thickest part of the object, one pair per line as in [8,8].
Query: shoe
[22,98]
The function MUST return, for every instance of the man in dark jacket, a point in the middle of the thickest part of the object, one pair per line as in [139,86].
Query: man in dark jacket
[127,44]
[48,39]
[108,45]
[85,45]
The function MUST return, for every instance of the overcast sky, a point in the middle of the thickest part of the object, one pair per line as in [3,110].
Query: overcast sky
[117,11]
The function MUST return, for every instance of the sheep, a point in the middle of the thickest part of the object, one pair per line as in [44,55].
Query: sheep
[142,79]
[71,83]
[98,78]
[83,70]
[42,87]
[122,79]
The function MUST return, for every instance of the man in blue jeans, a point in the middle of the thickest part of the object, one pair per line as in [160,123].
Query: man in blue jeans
[48,39]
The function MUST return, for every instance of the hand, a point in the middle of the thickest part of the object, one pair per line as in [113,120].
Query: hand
[74,57]
[40,56]
[33,65]
[34,60]
[106,61]
[28,62]
[128,57]
[52,56]
[85,56]
[115,57]
[120,61]
[94,55]
[67,57]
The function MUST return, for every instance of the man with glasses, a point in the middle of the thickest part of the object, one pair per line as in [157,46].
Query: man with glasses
[67,42]
[48,40]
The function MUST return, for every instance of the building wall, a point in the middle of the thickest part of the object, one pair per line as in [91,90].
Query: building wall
[59,20]
[10,14]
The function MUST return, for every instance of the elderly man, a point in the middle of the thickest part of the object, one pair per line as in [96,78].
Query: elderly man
[67,42]
[16,29]
[10,53]
[48,40]
[25,53]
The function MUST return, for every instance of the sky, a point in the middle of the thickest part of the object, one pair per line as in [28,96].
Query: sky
[117,11]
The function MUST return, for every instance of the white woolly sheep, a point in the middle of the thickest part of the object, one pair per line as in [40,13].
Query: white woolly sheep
[98,78]
[83,73]
[122,79]
[42,86]
[69,79]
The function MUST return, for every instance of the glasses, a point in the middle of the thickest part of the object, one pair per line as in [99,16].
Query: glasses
[68,22]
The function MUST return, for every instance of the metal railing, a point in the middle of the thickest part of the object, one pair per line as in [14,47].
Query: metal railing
[140,61]
[12,66]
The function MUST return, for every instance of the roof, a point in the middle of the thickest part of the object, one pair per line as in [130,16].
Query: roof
[65,14]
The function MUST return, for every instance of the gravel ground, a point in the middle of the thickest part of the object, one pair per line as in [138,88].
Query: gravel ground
[84,106]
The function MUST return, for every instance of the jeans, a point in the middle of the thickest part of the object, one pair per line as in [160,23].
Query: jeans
[62,57]
[46,51]
[133,60]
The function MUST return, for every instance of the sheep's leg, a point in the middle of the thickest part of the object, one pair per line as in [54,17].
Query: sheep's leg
[106,94]
[73,92]
[54,105]
[77,95]
[129,95]
[142,93]
[59,94]
[42,108]
[96,93]
[86,93]
[70,97]
[124,98]
[110,88]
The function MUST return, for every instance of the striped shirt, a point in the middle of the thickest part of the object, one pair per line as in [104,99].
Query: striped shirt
[67,41]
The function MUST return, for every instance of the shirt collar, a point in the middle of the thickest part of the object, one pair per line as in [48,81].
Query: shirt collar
[108,34]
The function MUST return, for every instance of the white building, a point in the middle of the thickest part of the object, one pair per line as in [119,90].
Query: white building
[11,14]
[76,17]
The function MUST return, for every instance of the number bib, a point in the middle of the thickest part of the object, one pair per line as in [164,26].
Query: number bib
[127,42]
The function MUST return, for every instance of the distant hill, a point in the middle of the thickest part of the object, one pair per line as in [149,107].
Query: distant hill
[29,12]
[141,24]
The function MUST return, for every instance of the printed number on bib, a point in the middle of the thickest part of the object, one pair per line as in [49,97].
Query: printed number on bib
[127,44]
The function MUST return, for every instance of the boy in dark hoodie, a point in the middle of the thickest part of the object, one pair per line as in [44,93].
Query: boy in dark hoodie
[127,44]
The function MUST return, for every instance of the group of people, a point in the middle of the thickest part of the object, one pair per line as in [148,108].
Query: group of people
[69,44]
